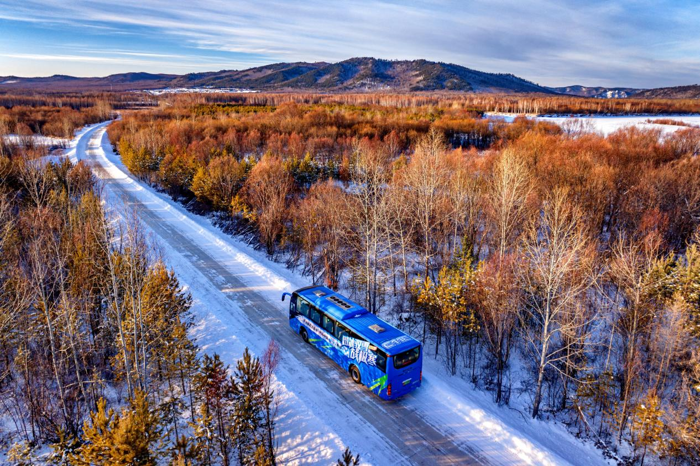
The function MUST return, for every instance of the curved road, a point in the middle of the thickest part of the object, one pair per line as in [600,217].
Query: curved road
[407,433]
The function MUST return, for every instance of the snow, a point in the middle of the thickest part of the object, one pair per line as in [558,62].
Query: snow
[607,124]
[35,139]
[199,90]
[315,425]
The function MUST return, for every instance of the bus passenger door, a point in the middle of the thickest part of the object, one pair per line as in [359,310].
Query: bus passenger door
[329,347]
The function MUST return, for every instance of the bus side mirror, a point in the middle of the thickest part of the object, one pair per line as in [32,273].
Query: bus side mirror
[285,295]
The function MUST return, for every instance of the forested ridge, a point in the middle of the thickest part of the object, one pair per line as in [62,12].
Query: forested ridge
[96,366]
[550,265]
[533,104]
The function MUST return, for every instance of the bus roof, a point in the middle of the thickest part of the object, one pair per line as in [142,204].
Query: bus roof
[375,330]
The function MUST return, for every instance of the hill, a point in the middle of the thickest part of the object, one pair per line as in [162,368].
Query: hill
[597,92]
[355,74]
[115,82]
[677,92]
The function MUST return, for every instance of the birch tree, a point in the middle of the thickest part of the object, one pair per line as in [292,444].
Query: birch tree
[558,257]
[632,269]
[507,193]
[367,210]
[426,183]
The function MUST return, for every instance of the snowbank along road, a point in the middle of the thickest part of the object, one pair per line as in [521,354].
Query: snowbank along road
[236,295]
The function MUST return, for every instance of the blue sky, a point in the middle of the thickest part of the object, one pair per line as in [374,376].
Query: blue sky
[612,43]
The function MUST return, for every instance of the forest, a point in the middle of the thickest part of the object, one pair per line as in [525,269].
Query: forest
[532,104]
[61,114]
[62,122]
[96,365]
[542,263]
[549,266]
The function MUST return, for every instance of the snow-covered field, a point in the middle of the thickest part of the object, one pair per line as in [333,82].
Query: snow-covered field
[198,90]
[36,140]
[236,293]
[609,124]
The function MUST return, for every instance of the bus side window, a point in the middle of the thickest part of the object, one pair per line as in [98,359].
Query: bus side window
[381,360]
[302,307]
[328,324]
[315,316]
[340,332]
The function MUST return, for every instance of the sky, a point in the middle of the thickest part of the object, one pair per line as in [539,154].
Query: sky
[629,43]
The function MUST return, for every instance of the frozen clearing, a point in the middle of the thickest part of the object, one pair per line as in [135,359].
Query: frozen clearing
[236,293]
[36,140]
[609,124]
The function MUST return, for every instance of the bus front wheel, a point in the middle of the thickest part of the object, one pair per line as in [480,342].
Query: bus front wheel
[304,335]
[355,374]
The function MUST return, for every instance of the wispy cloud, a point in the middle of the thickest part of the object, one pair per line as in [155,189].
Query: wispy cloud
[625,42]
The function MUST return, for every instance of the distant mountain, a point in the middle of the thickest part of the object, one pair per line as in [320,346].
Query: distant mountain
[365,74]
[597,92]
[355,74]
[678,92]
[116,82]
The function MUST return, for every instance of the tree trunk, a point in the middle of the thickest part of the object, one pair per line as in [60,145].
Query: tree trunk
[538,393]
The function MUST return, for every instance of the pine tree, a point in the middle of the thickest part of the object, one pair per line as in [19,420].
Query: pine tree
[21,454]
[203,432]
[130,438]
[63,448]
[248,426]
[186,453]
[214,389]
[270,360]
[647,425]
[448,303]
[348,460]
[595,394]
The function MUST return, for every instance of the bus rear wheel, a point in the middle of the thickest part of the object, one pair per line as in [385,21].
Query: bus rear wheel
[304,335]
[355,374]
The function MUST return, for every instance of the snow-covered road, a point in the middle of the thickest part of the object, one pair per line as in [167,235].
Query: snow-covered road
[236,304]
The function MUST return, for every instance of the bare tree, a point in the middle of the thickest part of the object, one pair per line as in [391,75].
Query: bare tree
[507,196]
[497,304]
[558,258]
[426,181]
[44,272]
[36,180]
[321,223]
[266,191]
[631,271]
[465,192]
[401,228]
[366,209]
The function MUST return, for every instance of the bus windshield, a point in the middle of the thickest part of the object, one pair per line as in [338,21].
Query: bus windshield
[406,358]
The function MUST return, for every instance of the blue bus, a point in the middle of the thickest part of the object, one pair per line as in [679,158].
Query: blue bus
[375,353]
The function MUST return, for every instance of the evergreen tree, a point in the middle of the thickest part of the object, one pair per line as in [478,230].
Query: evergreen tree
[348,460]
[203,433]
[21,454]
[248,426]
[447,303]
[647,425]
[270,360]
[131,438]
[214,388]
